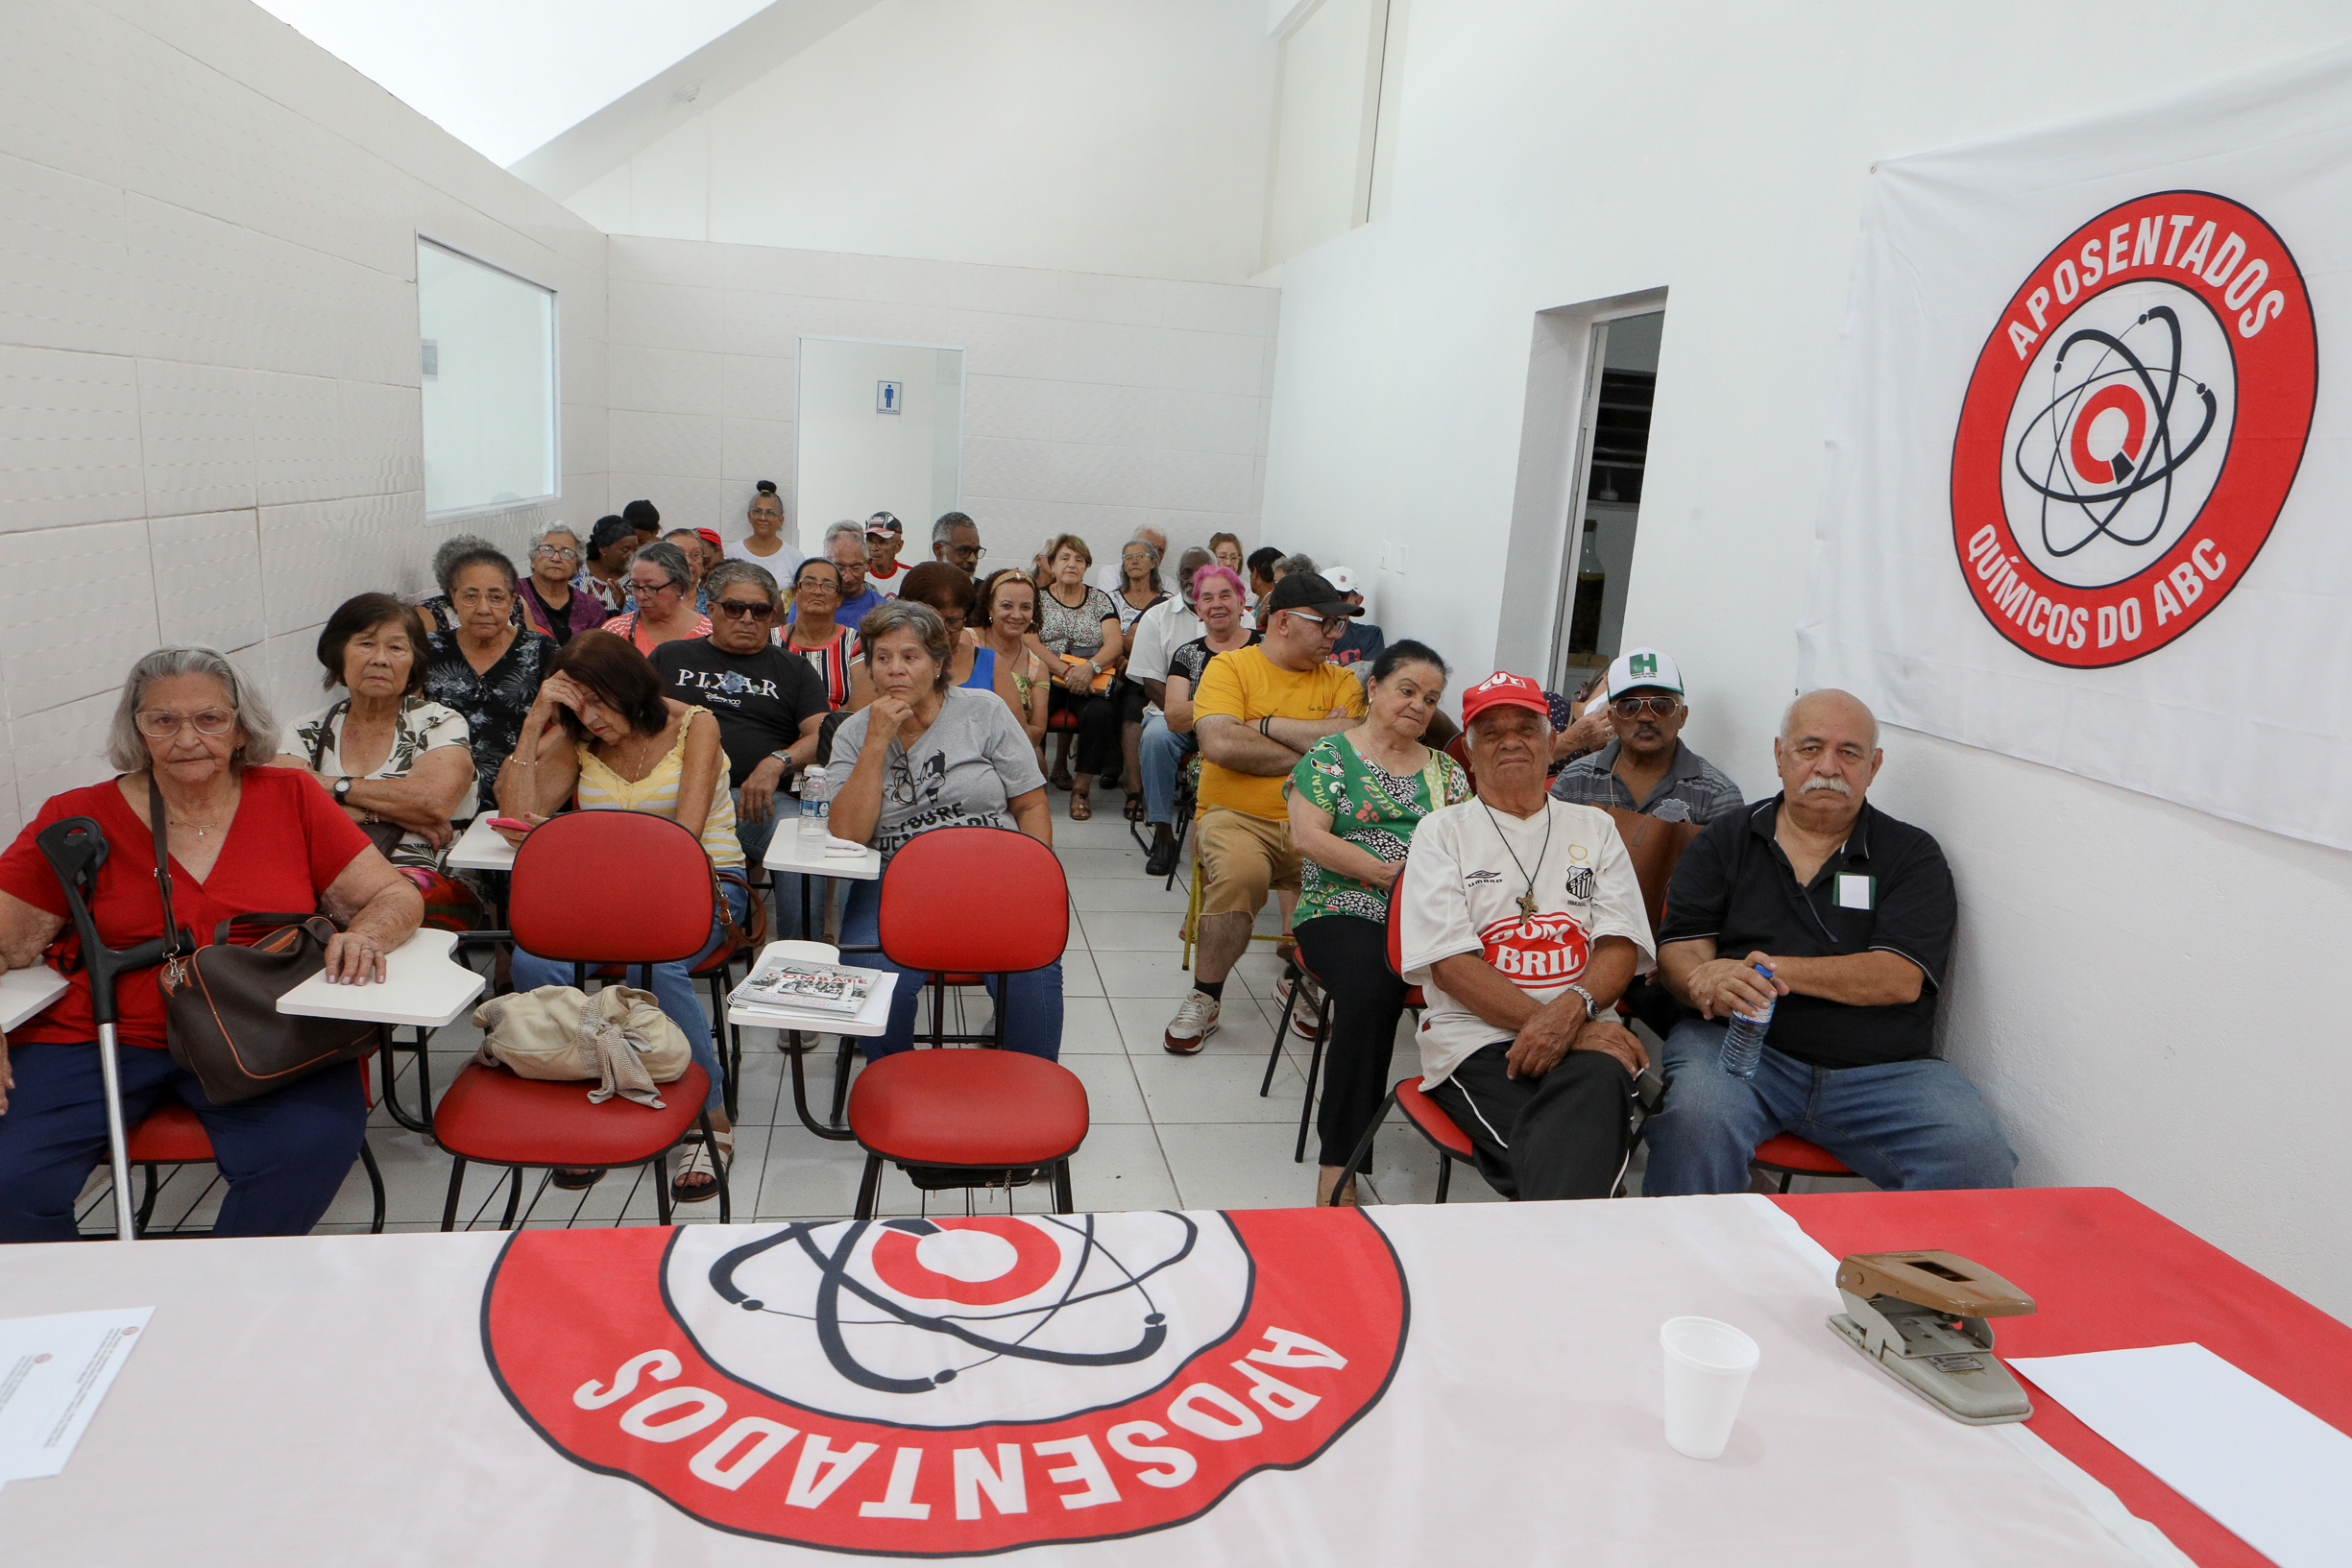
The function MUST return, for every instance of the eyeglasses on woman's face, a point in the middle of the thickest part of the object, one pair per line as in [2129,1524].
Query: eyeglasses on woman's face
[161,723]
[556,552]
[756,608]
[644,590]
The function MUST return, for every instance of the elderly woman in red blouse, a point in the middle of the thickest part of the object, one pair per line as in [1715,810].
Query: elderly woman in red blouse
[245,837]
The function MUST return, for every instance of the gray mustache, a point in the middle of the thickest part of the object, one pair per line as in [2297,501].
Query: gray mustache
[1838,784]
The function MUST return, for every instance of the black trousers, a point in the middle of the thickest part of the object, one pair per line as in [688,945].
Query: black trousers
[1098,727]
[1350,957]
[1566,1134]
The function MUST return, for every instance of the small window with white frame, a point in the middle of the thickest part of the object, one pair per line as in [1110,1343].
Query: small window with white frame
[487,360]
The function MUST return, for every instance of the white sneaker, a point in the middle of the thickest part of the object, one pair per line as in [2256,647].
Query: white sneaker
[1194,1023]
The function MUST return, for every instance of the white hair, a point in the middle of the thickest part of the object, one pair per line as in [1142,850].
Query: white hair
[127,749]
[845,529]
[1788,715]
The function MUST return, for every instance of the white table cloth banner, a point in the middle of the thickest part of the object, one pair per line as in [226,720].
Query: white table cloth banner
[2085,466]
[1478,1382]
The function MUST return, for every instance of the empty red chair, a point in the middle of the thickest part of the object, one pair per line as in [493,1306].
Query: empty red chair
[572,900]
[960,1118]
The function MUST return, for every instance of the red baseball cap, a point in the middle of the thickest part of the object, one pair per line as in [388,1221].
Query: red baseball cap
[1504,689]
[710,536]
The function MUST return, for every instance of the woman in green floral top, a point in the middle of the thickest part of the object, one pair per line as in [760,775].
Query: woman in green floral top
[1354,802]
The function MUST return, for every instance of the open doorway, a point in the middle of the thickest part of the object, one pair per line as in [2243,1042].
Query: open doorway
[1605,507]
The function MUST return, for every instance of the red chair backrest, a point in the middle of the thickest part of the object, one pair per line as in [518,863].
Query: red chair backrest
[1459,749]
[988,900]
[605,887]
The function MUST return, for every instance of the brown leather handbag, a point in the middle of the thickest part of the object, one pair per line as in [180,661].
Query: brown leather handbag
[220,1001]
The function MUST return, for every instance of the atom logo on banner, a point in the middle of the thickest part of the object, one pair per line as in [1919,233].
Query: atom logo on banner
[2132,428]
[952,1387]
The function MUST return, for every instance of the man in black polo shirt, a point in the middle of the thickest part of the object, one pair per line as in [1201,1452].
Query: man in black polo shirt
[1852,912]
[769,704]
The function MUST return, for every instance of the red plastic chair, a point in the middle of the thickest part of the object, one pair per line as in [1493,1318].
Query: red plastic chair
[1788,1156]
[172,1135]
[1427,1117]
[565,903]
[965,1117]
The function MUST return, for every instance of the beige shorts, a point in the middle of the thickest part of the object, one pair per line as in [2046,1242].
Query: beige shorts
[1242,858]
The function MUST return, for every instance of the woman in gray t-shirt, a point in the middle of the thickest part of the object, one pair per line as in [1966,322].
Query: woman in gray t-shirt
[929,754]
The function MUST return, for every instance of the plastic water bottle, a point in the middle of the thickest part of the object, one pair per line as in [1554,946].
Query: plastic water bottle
[1743,1043]
[815,820]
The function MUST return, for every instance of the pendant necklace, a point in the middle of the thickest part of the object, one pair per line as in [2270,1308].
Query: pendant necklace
[1527,900]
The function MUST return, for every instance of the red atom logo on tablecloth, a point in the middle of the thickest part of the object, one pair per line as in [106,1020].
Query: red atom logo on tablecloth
[2132,429]
[951,1386]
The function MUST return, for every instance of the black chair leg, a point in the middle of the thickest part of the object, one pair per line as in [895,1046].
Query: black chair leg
[1315,1062]
[1283,1030]
[149,1190]
[513,1198]
[1445,1175]
[728,1068]
[719,1169]
[1063,1202]
[841,1068]
[375,1185]
[457,1178]
[660,1187]
[869,1187]
[1362,1155]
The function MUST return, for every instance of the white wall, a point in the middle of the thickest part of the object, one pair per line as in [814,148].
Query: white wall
[1128,138]
[210,417]
[2134,988]
[1092,405]
[854,459]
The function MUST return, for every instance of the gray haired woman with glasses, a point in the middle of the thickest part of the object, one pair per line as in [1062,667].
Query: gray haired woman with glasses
[191,732]
[555,602]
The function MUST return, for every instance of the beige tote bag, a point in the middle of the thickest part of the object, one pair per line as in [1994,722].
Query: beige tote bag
[619,1037]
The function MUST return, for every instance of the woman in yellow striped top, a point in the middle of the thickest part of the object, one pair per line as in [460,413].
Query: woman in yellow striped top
[602,735]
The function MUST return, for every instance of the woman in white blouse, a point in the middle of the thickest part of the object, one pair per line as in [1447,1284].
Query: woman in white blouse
[400,764]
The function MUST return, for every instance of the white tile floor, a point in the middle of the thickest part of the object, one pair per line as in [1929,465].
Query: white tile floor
[1168,1131]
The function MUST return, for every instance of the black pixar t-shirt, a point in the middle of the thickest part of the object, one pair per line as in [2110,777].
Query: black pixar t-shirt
[1888,890]
[760,699]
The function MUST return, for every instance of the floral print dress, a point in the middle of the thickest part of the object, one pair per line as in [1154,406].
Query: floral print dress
[1372,808]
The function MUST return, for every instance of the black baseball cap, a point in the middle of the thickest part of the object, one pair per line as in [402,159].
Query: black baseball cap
[1312,592]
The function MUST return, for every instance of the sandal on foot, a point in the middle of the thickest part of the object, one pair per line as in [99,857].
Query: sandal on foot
[698,1179]
[1134,807]
[1081,809]
[575,1181]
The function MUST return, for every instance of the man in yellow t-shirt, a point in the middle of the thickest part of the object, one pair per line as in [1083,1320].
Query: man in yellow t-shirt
[1257,712]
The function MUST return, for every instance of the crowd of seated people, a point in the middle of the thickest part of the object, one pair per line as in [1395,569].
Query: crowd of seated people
[702,680]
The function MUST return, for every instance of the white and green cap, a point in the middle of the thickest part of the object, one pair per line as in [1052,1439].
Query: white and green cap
[1644,667]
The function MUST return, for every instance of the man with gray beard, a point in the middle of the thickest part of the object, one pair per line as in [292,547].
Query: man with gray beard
[1839,918]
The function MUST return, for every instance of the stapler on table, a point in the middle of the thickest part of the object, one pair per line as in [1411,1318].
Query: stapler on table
[1921,1316]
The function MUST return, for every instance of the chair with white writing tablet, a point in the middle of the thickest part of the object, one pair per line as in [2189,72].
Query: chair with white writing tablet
[564,906]
[957,1117]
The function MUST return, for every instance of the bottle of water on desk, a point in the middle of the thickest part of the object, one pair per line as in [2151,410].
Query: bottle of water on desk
[815,820]
[1743,1043]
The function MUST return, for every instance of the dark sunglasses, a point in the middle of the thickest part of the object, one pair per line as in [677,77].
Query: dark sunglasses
[756,608]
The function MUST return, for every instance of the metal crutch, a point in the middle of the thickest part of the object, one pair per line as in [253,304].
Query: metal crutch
[75,848]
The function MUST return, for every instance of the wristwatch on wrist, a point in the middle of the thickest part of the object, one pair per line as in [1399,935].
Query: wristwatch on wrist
[1592,1008]
[343,790]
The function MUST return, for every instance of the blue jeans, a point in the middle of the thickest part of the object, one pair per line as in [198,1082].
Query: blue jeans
[1162,752]
[755,837]
[671,989]
[284,1154]
[1032,1013]
[1905,1126]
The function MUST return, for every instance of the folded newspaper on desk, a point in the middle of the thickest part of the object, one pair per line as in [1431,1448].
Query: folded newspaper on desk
[807,986]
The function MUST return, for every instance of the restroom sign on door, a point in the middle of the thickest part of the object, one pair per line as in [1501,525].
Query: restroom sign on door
[890,396]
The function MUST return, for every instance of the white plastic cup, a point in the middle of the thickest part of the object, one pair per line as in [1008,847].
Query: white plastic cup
[1708,1366]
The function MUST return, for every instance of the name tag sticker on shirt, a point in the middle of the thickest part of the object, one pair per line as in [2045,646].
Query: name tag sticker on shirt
[1857,892]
